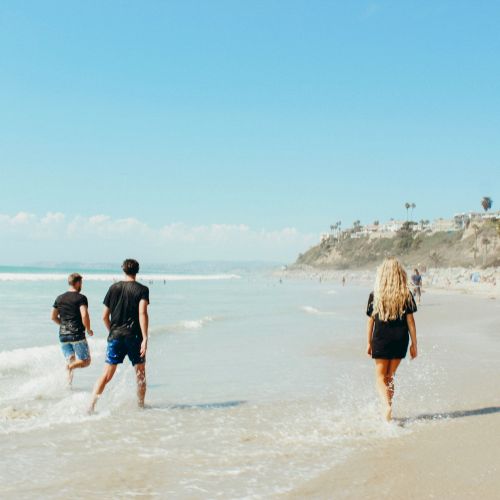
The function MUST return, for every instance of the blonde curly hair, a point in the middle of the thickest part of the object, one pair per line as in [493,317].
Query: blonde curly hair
[391,293]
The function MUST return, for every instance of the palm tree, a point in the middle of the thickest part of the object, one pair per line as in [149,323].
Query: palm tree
[486,203]
[407,206]
[413,206]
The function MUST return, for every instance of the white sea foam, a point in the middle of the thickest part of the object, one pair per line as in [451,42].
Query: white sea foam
[195,324]
[34,392]
[184,325]
[313,310]
[116,277]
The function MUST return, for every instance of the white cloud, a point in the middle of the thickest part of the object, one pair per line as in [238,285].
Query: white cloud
[55,237]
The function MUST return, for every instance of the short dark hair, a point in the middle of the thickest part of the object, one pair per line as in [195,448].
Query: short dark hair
[74,278]
[130,267]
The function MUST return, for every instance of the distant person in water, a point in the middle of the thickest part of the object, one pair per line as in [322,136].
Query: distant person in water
[343,280]
[416,281]
[70,312]
[390,326]
[126,319]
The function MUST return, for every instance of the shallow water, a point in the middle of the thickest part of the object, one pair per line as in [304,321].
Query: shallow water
[254,387]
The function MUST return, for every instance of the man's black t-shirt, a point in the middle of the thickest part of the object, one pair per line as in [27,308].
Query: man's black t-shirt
[68,306]
[123,300]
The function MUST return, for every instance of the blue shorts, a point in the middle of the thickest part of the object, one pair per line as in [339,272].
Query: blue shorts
[125,346]
[79,348]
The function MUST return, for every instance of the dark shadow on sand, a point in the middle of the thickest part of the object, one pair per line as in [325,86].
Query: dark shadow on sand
[488,410]
[201,406]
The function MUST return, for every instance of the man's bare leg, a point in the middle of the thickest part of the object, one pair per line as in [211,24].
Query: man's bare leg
[72,364]
[140,371]
[69,370]
[109,371]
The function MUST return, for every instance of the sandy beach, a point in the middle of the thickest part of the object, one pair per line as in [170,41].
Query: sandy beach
[454,451]
[484,282]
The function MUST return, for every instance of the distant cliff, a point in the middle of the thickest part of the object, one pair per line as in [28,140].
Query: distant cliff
[478,245]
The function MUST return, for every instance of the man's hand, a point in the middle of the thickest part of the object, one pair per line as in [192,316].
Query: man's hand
[369,349]
[90,333]
[144,347]
[413,351]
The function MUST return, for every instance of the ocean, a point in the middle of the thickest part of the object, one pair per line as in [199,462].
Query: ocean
[254,388]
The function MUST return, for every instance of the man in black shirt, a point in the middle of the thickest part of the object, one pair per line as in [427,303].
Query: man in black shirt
[70,312]
[416,280]
[126,318]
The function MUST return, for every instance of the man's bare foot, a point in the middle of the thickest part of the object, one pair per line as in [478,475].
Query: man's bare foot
[91,408]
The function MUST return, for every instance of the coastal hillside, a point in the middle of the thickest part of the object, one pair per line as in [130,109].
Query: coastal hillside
[475,245]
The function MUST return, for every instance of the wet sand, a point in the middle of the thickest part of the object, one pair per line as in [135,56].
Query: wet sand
[455,459]
[453,452]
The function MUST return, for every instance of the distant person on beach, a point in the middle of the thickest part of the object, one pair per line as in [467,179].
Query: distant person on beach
[70,312]
[390,326]
[126,319]
[416,281]
[343,280]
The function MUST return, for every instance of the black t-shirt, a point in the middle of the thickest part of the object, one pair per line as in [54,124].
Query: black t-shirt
[393,326]
[123,300]
[68,306]
[410,307]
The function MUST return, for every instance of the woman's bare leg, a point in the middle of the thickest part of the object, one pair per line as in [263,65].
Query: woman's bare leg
[391,371]
[381,371]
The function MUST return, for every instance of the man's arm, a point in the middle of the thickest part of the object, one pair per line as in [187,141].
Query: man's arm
[84,311]
[105,317]
[144,322]
[54,316]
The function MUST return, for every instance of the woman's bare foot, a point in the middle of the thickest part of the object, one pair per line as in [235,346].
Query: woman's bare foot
[388,413]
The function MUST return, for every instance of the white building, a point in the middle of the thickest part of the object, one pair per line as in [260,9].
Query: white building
[393,226]
[446,225]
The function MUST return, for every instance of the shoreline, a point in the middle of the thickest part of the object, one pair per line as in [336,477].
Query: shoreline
[453,447]
[480,282]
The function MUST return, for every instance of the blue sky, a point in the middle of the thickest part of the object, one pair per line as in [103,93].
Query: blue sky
[279,117]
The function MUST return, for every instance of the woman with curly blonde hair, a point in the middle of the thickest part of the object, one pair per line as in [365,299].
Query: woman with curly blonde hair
[390,325]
